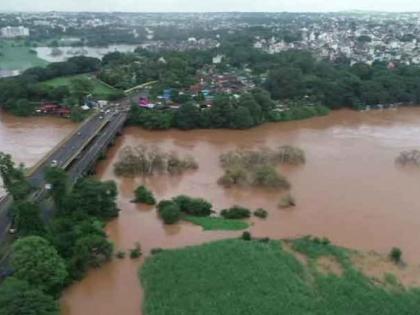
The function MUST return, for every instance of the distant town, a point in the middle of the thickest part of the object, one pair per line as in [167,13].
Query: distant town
[359,37]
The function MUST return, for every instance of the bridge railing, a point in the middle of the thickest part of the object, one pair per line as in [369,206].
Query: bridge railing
[46,157]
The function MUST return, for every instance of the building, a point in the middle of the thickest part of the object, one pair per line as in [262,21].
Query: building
[14,31]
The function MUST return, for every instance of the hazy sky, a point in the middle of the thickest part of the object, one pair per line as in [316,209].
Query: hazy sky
[208,5]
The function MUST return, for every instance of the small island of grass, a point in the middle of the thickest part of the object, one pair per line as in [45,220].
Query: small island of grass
[217,223]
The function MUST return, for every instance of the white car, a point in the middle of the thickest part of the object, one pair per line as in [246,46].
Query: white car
[12,230]
[54,163]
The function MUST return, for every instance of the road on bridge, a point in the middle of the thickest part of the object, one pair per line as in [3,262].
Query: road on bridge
[69,150]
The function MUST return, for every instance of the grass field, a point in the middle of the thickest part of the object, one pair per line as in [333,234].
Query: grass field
[217,224]
[233,277]
[100,88]
[15,56]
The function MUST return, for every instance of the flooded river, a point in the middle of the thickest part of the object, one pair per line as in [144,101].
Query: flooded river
[29,139]
[350,191]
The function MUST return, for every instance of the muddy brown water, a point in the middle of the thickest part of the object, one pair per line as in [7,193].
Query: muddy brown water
[350,191]
[29,139]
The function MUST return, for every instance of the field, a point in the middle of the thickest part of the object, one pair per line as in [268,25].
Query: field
[217,224]
[234,276]
[16,56]
[100,88]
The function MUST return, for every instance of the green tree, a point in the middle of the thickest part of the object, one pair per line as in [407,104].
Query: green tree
[263,99]
[169,211]
[221,112]
[285,82]
[28,219]
[23,107]
[241,118]
[58,179]
[144,195]
[187,117]
[92,251]
[193,206]
[17,297]
[236,212]
[248,101]
[95,198]
[13,178]
[37,262]
[81,87]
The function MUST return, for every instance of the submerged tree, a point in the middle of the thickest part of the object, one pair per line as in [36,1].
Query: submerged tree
[144,160]
[143,195]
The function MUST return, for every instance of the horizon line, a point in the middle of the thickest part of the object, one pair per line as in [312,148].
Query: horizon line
[213,12]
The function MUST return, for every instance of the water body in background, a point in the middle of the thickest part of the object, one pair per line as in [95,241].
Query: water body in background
[62,53]
[350,190]
[9,73]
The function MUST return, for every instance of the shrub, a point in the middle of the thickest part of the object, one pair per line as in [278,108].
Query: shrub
[143,160]
[193,206]
[246,236]
[395,255]
[409,158]
[267,176]
[169,211]
[290,155]
[235,175]
[261,213]
[257,168]
[236,212]
[287,201]
[135,252]
[144,195]
[120,254]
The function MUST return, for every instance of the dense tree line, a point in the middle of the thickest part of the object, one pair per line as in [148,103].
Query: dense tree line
[50,255]
[170,69]
[294,74]
[18,94]
[249,110]
[289,77]
[227,112]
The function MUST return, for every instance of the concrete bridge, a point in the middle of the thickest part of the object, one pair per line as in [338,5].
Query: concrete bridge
[77,154]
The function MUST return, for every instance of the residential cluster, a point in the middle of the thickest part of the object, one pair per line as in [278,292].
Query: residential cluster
[364,38]
[14,31]
[210,82]
[357,36]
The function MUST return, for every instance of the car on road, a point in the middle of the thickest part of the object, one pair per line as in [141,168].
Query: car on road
[54,163]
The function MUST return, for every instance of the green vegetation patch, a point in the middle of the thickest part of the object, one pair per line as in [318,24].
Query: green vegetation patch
[254,277]
[218,224]
[15,56]
[100,89]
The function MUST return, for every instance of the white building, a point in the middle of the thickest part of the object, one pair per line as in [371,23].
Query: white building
[218,59]
[14,31]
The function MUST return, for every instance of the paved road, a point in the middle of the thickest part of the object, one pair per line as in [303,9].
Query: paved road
[92,153]
[67,152]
